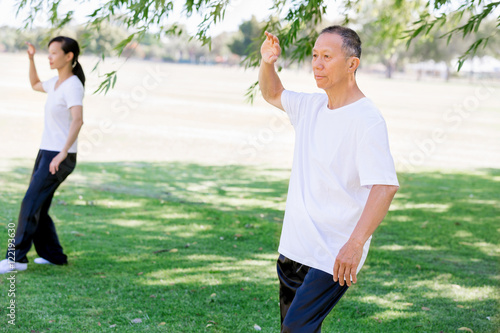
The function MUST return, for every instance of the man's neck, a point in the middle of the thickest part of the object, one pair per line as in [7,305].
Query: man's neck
[343,94]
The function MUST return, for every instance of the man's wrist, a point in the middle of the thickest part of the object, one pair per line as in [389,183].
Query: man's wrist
[357,241]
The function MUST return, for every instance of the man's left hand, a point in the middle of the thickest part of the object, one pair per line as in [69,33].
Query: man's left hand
[56,161]
[347,262]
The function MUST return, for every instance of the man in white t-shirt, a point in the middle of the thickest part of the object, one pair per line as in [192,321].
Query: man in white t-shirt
[342,182]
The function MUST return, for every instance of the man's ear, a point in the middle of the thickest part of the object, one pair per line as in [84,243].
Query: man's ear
[353,63]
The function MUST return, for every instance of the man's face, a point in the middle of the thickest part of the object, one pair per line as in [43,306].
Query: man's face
[329,63]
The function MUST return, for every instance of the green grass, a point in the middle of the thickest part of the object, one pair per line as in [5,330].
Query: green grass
[433,264]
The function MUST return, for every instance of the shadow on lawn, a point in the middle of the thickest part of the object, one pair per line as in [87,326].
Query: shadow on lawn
[182,232]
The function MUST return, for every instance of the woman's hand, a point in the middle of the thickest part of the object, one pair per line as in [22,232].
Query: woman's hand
[56,161]
[31,50]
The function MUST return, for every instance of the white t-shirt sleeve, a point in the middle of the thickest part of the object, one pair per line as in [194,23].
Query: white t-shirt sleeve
[293,102]
[48,85]
[374,159]
[74,94]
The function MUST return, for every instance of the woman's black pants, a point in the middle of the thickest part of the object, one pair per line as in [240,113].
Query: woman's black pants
[35,225]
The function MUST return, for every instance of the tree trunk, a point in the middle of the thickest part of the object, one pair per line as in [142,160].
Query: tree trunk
[388,72]
[391,65]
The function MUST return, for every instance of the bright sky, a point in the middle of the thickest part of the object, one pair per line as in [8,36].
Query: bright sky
[237,12]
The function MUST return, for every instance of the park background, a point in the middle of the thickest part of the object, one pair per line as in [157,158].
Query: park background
[172,218]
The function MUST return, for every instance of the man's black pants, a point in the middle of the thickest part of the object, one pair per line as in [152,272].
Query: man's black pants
[307,295]
[35,225]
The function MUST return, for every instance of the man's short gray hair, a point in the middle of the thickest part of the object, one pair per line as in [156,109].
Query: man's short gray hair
[351,44]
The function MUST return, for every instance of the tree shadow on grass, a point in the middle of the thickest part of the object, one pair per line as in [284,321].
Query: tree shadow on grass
[192,248]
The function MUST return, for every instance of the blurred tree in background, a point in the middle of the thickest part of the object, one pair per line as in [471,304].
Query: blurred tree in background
[244,43]
[102,41]
[391,29]
[381,30]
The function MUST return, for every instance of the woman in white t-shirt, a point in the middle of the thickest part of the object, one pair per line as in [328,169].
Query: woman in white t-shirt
[56,158]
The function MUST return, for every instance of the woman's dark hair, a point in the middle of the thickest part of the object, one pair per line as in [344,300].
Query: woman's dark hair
[71,45]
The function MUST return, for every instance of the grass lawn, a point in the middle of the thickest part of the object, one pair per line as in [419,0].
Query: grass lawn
[172,247]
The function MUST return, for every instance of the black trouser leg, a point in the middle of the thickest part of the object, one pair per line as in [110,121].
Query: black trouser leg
[34,210]
[45,238]
[305,299]
[291,274]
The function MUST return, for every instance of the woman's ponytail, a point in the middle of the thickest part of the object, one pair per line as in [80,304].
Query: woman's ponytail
[78,71]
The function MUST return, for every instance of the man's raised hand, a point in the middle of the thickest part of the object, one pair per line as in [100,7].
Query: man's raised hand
[270,49]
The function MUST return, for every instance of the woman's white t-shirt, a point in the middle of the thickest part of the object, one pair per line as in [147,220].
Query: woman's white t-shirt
[339,154]
[58,114]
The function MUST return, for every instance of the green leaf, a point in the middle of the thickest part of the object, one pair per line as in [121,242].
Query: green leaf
[108,82]
[121,46]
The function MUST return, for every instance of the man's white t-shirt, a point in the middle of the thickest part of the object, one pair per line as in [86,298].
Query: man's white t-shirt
[338,155]
[58,114]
